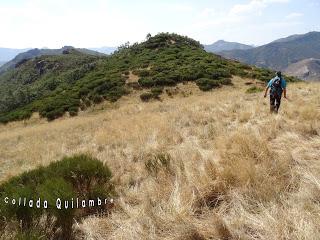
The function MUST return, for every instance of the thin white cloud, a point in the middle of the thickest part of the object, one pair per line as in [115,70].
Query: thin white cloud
[294,15]
[236,14]
[254,6]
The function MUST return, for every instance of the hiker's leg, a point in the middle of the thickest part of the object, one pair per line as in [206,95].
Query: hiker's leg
[278,102]
[272,103]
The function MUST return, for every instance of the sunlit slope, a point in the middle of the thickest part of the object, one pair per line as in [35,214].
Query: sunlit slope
[198,165]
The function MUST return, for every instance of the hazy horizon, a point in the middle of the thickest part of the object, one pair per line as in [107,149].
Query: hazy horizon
[53,24]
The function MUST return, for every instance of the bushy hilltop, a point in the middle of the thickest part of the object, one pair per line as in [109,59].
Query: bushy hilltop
[54,85]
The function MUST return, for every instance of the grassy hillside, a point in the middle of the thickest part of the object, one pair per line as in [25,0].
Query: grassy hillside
[198,165]
[54,85]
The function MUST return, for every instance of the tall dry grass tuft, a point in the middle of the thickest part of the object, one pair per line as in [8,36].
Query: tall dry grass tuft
[249,165]
[212,165]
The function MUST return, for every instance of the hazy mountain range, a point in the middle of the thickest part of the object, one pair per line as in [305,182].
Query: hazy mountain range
[105,50]
[222,45]
[6,54]
[282,53]
[22,57]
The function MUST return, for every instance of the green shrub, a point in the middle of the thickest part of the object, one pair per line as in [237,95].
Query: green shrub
[97,99]
[157,91]
[225,81]
[163,80]
[51,115]
[153,94]
[73,111]
[221,73]
[254,89]
[143,73]
[146,82]
[84,91]
[80,176]
[206,84]
[145,97]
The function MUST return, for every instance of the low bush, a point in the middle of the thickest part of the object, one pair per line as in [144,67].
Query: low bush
[146,82]
[142,73]
[206,84]
[79,177]
[221,73]
[153,94]
[145,97]
[97,99]
[73,111]
[225,81]
[163,80]
[157,91]
[254,89]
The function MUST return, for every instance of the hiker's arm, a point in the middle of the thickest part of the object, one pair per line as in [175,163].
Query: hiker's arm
[266,91]
[267,88]
[285,93]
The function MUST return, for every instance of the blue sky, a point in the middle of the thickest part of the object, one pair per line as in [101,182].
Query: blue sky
[96,23]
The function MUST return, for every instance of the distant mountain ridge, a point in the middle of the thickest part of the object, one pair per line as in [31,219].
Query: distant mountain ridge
[307,69]
[105,50]
[222,45]
[7,54]
[30,54]
[279,54]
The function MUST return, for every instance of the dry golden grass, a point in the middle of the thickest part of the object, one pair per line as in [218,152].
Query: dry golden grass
[211,165]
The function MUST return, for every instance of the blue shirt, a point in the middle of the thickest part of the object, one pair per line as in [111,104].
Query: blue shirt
[283,83]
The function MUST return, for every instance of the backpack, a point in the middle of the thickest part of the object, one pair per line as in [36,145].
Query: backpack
[276,89]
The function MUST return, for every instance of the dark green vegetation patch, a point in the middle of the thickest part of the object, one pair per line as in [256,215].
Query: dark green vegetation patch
[153,94]
[80,176]
[254,89]
[54,85]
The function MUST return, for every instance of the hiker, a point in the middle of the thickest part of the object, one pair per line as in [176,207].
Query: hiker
[277,85]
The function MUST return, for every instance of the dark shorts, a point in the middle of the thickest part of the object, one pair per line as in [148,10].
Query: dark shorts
[275,101]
